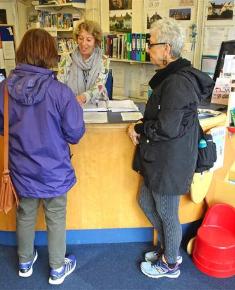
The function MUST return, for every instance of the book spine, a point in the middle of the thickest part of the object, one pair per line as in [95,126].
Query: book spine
[128,43]
[133,46]
[138,46]
[142,46]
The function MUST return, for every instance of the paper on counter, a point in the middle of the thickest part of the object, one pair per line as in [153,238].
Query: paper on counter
[101,106]
[122,106]
[95,117]
[131,116]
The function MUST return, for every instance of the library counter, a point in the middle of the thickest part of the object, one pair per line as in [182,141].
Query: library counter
[105,195]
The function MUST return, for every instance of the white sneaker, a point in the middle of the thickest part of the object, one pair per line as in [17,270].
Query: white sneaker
[159,270]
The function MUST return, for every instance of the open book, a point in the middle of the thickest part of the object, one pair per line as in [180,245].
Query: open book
[111,105]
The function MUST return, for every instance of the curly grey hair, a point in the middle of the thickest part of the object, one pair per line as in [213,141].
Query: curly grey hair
[168,31]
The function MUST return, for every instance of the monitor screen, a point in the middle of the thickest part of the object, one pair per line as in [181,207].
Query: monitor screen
[227,47]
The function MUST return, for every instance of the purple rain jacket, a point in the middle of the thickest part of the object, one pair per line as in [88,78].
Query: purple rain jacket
[44,116]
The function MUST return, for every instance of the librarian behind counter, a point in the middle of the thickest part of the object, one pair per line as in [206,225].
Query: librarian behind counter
[88,71]
[167,143]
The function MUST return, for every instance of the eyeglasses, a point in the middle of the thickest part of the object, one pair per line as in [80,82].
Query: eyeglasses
[150,45]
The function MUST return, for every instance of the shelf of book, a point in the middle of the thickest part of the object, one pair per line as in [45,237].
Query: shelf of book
[65,53]
[54,30]
[130,61]
[61,6]
[65,29]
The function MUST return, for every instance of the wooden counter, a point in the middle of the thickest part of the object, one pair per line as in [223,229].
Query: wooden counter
[105,195]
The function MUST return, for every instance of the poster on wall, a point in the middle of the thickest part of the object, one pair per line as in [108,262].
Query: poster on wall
[220,10]
[152,4]
[186,3]
[152,8]
[212,39]
[120,20]
[120,4]
[152,16]
[180,14]
[3,16]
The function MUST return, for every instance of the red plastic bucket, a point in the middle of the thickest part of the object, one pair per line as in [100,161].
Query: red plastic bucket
[214,248]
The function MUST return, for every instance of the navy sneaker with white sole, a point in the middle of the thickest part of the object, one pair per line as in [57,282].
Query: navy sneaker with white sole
[57,276]
[26,269]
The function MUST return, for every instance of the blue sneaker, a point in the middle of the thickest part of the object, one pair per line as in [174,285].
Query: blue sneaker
[159,269]
[26,269]
[57,276]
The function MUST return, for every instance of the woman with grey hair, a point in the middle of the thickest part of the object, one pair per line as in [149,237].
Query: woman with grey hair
[167,143]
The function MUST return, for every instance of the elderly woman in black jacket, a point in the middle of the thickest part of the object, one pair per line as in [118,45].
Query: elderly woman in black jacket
[167,143]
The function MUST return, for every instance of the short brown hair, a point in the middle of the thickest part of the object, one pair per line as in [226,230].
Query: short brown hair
[91,27]
[37,48]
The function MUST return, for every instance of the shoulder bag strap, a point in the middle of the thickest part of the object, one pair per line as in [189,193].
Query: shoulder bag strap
[6,132]
[201,132]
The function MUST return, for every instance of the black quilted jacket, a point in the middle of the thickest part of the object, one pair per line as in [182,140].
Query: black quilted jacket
[167,153]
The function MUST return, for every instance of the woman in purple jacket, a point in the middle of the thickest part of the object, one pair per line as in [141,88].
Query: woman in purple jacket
[44,117]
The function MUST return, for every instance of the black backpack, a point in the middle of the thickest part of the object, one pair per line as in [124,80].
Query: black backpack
[206,151]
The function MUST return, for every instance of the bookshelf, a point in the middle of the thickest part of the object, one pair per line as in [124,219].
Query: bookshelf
[130,61]
[61,6]
[59,20]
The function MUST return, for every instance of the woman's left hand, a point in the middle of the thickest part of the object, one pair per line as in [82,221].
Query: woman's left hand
[133,135]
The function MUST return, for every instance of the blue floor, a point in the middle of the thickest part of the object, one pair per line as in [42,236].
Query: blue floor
[106,267]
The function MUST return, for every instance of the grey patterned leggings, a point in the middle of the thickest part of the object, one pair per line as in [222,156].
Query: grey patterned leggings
[162,212]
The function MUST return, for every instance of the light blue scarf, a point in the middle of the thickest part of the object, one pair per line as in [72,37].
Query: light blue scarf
[83,73]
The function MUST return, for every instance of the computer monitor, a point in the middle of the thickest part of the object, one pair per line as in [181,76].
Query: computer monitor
[227,47]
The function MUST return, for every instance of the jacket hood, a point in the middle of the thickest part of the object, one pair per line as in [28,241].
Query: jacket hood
[27,84]
[202,83]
